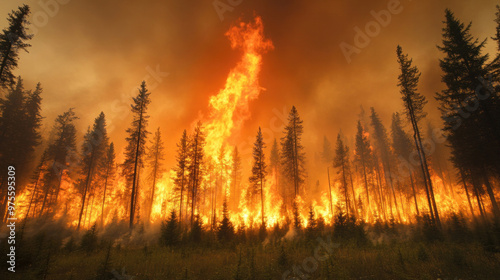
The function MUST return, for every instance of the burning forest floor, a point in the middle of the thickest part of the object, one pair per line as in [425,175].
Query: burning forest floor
[348,249]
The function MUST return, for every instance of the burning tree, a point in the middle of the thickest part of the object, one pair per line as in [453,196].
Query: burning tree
[93,151]
[385,155]
[364,157]
[155,157]
[341,162]
[20,122]
[259,171]
[196,157]
[61,149]
[181,169]
[136,142]
[236,178]
[293,158]
[402,147]
[414,107]
[108,167]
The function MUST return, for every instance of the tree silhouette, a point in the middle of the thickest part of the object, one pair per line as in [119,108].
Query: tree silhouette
[236,177]
[93,150]
[469,105]
[20,122]
[341,162]
[384,152]
[136,142]
[196,155]
[109,171]
[414,107]
[61,148]
[155,157]
[180,179]
[225,231]
[402,147]
[12,40]
[364,156]
[170,231]
[292,152]
[259,170]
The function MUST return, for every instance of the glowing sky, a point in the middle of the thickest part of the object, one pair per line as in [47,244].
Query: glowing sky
[92,55]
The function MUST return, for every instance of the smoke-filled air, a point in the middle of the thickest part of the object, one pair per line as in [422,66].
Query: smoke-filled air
[250,140]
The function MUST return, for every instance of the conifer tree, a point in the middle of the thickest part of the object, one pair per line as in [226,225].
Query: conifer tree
[136,141]
[341,162]
[170,230]
[20,122]
[108,166]
[259,170]
[363,156]
[180,179]
[155,161]
[327,153]
[61,152]
[275,167]
[382,144]
[292,152]
[12,40]
[414,108]
[469,105]
[93,150]
[225,231]
[196,158]
[236,177]
[402,147]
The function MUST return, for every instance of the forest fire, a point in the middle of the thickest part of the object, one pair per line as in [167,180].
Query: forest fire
[227,112]
[177,188]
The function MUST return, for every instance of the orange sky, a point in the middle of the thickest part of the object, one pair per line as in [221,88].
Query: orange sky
[93,55]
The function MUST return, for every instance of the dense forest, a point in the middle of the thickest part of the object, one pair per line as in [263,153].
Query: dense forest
[406,199]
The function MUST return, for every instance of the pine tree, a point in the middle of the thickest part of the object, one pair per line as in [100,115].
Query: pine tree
[180,179]
[275,167]
[297,220]
[259,170]
[469,105]
[341,162]
[60,150]
[292,152]
[225,231]
[170,231]
[20,122]
[12,40]
[327,153]
[196,155]
[93,150]
[495,64]
[196,230]
[402,147]
[236,177]
[312,226]
[155,158]
[382,144]
[414,107]
[109,167]
[136,142]
[363,156]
